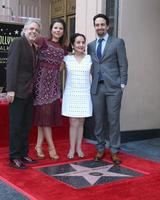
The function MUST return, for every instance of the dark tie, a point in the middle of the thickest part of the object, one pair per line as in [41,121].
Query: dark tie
[99,48]
[99,55]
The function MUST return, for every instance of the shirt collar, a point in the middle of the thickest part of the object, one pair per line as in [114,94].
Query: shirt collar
[105,37]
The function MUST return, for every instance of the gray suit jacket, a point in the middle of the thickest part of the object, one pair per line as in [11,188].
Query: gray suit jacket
[113,64]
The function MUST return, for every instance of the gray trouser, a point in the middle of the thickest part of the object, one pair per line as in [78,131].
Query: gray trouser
[110,104]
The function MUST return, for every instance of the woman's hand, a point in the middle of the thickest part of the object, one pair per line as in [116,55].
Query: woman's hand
[62,66]
[10,97]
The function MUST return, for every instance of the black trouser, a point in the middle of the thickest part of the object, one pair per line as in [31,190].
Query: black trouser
[20,121]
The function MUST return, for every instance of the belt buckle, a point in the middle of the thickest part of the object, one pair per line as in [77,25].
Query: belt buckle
[101,81]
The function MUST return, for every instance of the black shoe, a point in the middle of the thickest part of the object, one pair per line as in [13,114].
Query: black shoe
[17,163]
[28,160]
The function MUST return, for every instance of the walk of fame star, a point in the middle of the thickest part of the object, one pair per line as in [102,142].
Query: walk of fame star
[92,174]
[88,173]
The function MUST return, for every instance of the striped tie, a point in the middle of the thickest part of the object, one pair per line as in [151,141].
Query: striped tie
[99,48]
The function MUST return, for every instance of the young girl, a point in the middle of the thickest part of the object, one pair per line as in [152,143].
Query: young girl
[76,103]
[47,86]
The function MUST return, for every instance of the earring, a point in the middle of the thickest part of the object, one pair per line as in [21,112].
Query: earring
[73,50]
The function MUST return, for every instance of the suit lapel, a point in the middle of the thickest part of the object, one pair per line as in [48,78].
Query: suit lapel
[28,47]
[106,47]
[30,50]
[94,47]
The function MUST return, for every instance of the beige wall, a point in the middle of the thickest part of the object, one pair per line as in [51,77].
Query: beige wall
[139,26]
[10,5]
[45,16]
[85,11]
[28,8]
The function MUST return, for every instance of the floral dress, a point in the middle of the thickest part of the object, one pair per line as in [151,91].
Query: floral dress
[47,93]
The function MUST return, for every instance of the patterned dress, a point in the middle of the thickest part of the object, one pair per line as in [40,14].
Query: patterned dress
[47,83]
[77,98]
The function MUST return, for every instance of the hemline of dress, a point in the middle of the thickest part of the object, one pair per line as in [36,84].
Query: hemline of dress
[77,116]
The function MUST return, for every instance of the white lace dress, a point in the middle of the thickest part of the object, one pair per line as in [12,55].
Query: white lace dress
[76,100]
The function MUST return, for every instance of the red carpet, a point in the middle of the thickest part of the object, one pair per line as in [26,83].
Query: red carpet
[39,186]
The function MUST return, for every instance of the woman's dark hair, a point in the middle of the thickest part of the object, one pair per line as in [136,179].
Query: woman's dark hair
[72,40]
[101,16]
[63,39]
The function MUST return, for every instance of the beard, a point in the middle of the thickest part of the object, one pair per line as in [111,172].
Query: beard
[101,33]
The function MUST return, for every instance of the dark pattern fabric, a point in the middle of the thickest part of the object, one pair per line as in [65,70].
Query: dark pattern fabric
[47,83]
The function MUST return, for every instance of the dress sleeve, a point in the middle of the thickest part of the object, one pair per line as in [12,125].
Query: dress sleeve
[41,41]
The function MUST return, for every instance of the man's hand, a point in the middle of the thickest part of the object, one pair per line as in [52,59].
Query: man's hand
[10,97]
[122,86]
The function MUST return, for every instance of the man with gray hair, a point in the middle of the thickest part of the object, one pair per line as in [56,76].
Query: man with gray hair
[20,70]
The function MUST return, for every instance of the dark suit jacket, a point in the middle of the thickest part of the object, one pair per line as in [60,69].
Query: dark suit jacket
[113,64]
[20,68]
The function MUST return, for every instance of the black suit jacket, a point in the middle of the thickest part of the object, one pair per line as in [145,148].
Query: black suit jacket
[20,68]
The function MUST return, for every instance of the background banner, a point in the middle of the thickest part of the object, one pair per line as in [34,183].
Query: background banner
[8,32]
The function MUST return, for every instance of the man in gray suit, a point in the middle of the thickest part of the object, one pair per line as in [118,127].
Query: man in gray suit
[20,70]
[109,77]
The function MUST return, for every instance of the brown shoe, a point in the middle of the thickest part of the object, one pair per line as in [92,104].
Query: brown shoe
[115,158]
[99,156]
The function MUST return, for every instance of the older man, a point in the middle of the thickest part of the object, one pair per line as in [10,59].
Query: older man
[20,69]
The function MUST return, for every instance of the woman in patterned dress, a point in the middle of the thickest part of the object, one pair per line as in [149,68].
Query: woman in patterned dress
[47,86]
[76,103]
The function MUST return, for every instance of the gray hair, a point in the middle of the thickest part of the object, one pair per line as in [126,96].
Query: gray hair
[30,21]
